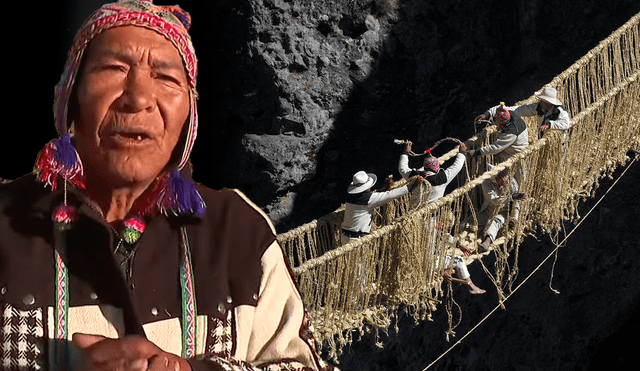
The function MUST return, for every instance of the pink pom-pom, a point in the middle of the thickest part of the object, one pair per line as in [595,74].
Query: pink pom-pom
[64,216]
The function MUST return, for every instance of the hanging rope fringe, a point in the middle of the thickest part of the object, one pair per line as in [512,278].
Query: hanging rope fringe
[365,284]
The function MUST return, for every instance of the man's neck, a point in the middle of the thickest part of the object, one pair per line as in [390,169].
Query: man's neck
[115,203]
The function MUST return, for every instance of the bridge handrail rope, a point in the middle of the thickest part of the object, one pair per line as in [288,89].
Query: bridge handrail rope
[362,285]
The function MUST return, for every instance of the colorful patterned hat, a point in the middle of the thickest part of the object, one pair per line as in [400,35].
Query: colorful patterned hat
[170,21]
[175,194]
[432,163]
[502,114]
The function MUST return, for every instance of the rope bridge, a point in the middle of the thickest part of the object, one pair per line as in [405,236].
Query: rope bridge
[363,284]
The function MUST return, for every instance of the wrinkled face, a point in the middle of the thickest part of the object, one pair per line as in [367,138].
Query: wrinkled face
[132,100]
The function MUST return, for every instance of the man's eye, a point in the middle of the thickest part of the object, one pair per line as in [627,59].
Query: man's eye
[168,78]
[114,67]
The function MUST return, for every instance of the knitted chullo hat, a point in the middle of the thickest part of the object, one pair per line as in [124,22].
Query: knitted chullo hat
[432,163]
[60,158]
[169,21]
[502,114]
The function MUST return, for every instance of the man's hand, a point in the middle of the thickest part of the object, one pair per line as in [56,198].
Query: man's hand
[543,127]
[466,251]
[480,118]
[447,275]
[519,196]
[131,353]
[463,148]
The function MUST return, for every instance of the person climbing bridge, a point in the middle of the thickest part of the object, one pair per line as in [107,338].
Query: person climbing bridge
[461,270]
[549,111]
[513,137]
[438,177]
[499,192]
[360,205]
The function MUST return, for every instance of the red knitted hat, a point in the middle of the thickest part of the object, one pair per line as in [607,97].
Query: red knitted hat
[502,114]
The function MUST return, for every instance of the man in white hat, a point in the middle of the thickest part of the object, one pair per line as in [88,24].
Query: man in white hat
[361,203]
[549,111]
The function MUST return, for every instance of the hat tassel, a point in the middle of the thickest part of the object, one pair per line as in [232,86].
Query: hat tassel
[59,158]
[181,196]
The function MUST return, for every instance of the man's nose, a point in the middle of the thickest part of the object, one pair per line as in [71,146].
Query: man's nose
[138,94]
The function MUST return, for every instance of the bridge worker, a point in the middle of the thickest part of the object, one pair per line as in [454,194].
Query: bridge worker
[513,135]
[111,257]
[548,110]
[360,205]
[439,178]
[361,202]
[499,193]
[461,270]
[431,171]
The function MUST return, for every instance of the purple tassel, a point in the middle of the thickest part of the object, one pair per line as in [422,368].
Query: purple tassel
[59,158]
[66,153]
[182,196]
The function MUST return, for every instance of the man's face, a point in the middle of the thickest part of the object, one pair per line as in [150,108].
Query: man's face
[545,105]
[132,101]
[501,180]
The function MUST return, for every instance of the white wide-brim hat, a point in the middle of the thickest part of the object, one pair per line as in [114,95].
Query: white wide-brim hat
[549,95]
[361,182]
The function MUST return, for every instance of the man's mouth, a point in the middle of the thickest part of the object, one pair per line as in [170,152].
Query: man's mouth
[133,136]
[128,136]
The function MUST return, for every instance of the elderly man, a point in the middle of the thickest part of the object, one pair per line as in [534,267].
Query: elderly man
[110,256]
[513,135]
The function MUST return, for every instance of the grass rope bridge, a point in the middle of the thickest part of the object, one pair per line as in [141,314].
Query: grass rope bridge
[362,285]
[534,271]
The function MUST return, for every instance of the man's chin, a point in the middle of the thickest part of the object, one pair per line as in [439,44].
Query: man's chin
[126,176]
